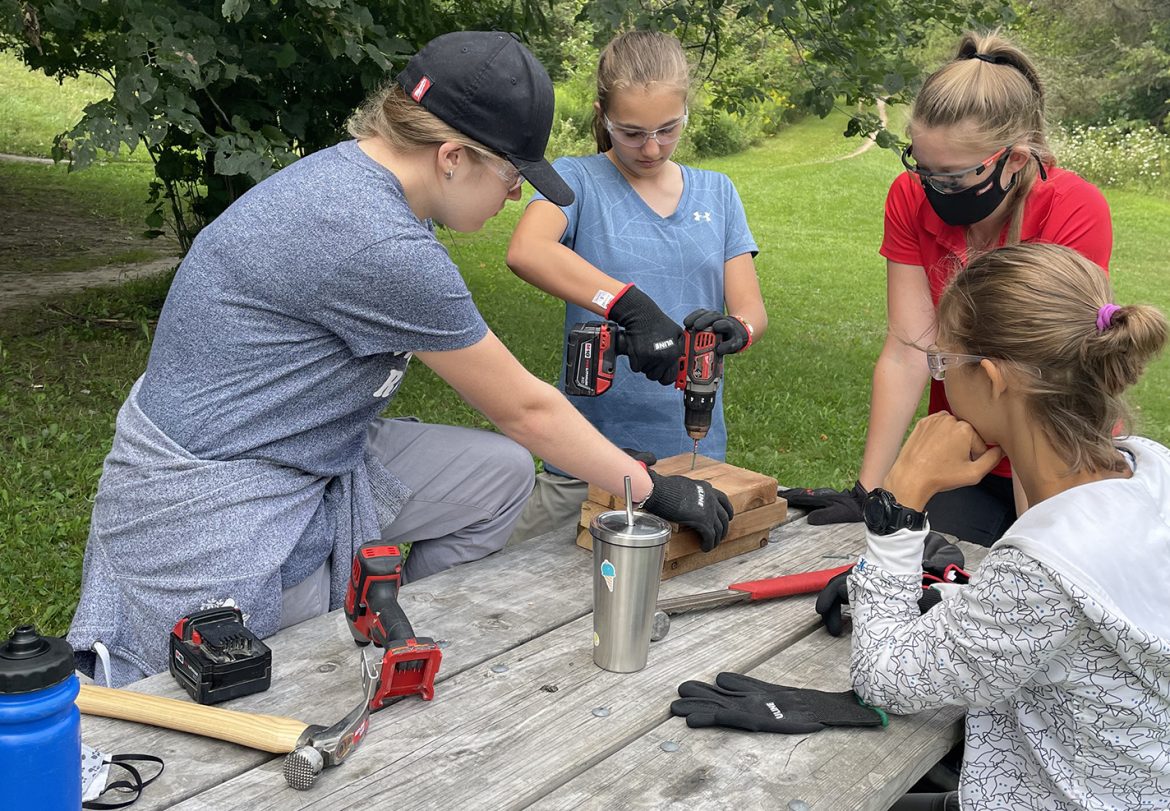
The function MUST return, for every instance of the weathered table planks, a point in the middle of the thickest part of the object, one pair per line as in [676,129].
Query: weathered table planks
[512,724]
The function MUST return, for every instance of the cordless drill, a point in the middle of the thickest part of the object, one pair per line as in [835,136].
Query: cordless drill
[699,372]
[591,358]
[410,662]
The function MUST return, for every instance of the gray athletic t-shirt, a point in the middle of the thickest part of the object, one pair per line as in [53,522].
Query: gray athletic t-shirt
[291,321]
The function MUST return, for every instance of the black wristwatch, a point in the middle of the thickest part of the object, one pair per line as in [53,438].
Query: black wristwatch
[885,516]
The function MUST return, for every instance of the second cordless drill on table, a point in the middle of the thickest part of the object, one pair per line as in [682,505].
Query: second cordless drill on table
[409,662]
[591,359]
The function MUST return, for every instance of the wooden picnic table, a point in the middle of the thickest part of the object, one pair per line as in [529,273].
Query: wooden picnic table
[523,718]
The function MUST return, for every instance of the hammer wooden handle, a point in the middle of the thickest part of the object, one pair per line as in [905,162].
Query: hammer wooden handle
[269,733]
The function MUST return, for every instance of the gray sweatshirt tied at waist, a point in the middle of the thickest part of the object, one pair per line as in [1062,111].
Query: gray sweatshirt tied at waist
[172,533]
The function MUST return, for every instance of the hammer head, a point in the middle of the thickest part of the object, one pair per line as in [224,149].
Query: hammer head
[321,747]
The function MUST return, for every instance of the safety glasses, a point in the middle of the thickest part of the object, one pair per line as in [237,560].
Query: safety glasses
[952,182]
[510,175]
[939,362]
[664,136]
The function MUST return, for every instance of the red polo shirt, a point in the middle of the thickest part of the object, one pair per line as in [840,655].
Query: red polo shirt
[1063,210]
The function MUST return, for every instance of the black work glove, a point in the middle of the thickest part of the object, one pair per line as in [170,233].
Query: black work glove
[942,562]
[691,503]
[733,333]
[651,340]
[645,457]
[741,702]
[826,505]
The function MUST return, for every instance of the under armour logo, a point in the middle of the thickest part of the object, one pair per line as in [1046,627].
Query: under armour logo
[702,216]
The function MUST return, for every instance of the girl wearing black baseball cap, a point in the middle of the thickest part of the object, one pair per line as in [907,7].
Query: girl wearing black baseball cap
[250,460]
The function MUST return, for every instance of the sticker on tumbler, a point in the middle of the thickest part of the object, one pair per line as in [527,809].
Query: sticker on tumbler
[609,573]
[596,639]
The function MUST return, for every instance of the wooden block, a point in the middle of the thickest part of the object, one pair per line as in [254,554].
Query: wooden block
[725,550]
[686,541]
[745,489]
[752,496]
[681,465]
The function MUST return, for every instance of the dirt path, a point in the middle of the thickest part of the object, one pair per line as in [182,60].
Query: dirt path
[866,145]
[48,247]
[22,289]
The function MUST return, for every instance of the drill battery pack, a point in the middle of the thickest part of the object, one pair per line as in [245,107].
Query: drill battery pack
[214,657]
[590,358]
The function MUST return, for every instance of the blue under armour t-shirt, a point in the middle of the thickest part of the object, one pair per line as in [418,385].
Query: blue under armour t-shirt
[290,323]
[677,261]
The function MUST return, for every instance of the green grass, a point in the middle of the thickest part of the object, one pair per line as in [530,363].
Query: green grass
[1141,231]
[35,108]
[797,403]
[61,385]
[57,220]
[115,191]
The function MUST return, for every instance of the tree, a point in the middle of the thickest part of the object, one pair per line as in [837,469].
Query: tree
[1126,45]
[852,50]
[222,93]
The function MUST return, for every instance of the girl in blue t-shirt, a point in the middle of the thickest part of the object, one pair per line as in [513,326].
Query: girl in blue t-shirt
[649,244]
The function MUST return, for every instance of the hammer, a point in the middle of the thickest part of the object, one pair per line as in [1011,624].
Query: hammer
[310,748]
[767,589]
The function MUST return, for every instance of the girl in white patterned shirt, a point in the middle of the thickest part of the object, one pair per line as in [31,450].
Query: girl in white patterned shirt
[1059,647]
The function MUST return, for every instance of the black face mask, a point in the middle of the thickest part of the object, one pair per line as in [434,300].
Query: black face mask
[968,206]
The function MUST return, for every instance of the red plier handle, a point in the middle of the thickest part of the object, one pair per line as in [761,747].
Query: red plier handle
[789,584]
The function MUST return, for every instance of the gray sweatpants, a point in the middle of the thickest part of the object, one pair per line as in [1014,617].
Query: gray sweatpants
[555,502]
[468,489]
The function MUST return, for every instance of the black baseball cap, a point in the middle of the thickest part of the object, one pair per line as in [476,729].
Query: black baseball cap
[492,89]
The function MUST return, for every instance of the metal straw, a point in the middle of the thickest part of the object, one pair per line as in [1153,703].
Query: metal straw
[629,503]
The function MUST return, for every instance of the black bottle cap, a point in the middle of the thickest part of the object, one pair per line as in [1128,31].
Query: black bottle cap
[31,662]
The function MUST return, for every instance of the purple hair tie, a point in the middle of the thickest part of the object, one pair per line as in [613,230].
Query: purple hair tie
[1105,316]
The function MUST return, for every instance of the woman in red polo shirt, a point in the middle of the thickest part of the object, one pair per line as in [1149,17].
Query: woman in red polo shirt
[980,174]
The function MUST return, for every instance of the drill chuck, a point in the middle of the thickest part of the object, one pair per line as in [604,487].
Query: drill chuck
[697,409]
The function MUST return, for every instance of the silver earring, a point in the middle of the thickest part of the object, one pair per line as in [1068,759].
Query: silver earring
[449,174]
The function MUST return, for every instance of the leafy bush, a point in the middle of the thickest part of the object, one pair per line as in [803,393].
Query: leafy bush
[567,139]
[1118,154]
[714,133]
[572,132]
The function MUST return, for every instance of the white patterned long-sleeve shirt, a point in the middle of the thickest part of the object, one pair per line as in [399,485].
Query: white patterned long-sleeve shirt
[1059,647]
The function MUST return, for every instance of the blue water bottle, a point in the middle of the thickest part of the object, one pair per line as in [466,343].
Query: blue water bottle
[40,726]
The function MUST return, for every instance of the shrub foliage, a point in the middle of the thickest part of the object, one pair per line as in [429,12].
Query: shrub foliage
[222,93]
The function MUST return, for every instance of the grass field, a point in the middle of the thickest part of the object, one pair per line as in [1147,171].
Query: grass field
[796,403]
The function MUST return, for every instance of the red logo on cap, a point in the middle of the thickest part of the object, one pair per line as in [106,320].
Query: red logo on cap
[420,89]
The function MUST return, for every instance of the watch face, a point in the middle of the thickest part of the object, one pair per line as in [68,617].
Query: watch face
[876,511]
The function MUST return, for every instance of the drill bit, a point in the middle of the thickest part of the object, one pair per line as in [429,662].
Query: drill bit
[694,453]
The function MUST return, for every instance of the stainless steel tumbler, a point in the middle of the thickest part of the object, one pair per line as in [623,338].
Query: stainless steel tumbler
[627,568]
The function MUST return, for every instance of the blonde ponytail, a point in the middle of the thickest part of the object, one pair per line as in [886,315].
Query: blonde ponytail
[992,87]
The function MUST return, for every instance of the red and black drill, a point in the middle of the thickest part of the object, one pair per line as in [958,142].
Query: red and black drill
[591,359]
[410,662]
